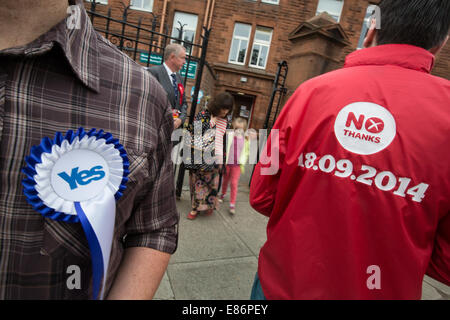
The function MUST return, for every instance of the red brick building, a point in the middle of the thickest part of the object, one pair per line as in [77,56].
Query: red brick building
[249,37]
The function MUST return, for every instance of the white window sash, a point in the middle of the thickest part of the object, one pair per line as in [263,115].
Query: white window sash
[239,39]
[142,8]
[99,1]
[259,55]
[271,1]
[331,12]
[261,43]
[186,28]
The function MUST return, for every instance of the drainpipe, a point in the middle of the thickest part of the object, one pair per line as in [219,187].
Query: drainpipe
[211,14]
[205,20]
[163,17]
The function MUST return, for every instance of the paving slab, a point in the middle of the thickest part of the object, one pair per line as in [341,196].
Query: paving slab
[206,237]
[164,291]
[225,279]
[242,196]
[247,223]
[434,290]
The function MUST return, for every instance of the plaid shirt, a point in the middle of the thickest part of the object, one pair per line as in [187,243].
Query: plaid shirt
[64,80]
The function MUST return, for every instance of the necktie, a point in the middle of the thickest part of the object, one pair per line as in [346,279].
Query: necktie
[175,85]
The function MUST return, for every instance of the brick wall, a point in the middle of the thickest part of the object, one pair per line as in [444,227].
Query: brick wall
[283,19]
[442,66]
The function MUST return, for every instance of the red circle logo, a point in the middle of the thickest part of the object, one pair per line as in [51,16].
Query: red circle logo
[374,125]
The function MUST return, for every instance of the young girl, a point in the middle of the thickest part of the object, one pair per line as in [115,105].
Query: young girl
[237,155]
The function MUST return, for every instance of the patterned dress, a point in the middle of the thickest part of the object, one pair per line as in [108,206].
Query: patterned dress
[204,185]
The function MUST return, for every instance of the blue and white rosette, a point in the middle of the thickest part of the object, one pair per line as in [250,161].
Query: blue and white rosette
[77,178]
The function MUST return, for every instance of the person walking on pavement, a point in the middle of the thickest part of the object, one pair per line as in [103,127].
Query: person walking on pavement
[238,151]
[204,173]
[359,207]
[169,77]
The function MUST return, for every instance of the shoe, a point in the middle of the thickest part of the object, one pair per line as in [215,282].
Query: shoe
[220,198]
[192,215]
[232,210]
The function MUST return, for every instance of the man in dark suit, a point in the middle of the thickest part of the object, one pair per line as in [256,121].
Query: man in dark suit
[169,78]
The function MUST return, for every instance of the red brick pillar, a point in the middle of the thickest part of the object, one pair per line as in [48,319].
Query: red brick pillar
[317,46]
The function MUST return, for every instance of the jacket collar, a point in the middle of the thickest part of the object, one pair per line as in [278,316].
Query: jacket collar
[402,55]
[79,46]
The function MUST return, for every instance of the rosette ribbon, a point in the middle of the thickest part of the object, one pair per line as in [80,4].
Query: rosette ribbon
[181,91]
[77,178]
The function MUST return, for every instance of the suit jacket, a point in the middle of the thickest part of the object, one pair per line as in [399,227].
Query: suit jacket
[160,73]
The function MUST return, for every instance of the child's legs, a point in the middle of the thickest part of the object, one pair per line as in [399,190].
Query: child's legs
[235,175]
[226,180]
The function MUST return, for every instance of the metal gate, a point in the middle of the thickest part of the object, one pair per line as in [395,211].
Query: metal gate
[278,93]
[147,46]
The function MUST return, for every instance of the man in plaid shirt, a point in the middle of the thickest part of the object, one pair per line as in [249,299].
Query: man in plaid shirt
[54,78]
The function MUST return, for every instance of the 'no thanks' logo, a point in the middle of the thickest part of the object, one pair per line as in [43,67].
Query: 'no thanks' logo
[374,125]
[364,128]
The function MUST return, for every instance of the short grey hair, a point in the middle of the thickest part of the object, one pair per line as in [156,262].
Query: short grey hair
[172,48]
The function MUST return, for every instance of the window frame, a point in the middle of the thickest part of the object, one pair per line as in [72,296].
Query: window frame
[175,24]
[240,38]
[260,43]
[142,9]
[271,2]
[331,13]
[105,2]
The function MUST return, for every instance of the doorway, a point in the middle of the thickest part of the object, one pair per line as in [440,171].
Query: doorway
[243,106]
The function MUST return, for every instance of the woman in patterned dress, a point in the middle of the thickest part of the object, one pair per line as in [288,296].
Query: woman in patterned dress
[204,179]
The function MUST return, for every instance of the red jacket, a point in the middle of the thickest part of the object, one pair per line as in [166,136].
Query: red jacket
[359,208]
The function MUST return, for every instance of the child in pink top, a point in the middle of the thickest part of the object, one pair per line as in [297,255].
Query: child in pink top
[236,158]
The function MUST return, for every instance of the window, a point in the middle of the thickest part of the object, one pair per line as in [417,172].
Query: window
[365,27]
[332,7]
[184,25]
[261,45]
[145,5]
[271,1]
[239,44]
[99,1]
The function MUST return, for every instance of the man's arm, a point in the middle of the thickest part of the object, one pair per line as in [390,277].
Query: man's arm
[152,234]
[139,274]
[264,184]
[266,176]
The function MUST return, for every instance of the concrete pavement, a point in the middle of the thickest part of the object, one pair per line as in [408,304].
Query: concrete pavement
[217,255]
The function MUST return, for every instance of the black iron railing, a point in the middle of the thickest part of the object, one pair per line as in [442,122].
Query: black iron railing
[278,93]
[146,46]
